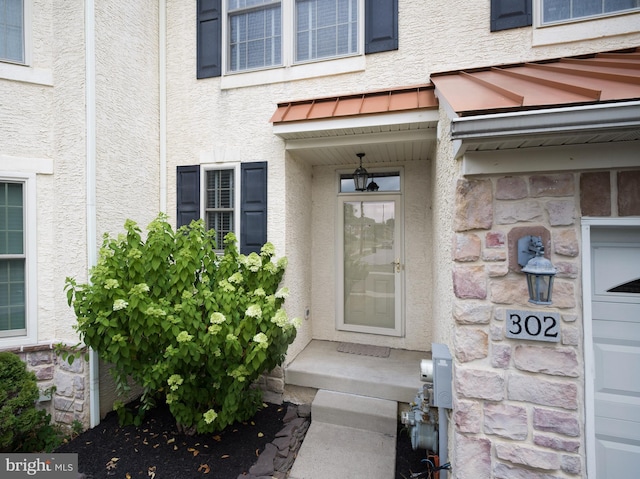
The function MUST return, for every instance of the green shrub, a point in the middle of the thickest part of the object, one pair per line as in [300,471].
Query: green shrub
[23,427]
[189,326]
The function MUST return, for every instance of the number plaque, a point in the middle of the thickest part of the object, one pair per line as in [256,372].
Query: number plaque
[533,325]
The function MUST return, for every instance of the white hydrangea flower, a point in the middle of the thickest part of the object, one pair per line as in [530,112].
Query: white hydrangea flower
[260,338]
[254,311]
[140,288]
[214,329]
[119,304]
[280,318]
[175,381]
[268,249]
[253,262]
[235,278]
[217,318]
[282,293]
[210,416]
[184,337]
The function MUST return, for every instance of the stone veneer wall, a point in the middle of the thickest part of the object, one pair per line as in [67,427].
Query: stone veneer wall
[70,400]
[519,405]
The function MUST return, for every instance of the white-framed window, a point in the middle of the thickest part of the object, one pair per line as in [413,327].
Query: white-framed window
[553,11]
[18,320]
[272,33]
[12,31]
[557,21]
[229,197]
[221,199]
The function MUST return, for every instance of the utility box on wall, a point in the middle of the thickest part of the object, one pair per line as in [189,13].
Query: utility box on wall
[442,375]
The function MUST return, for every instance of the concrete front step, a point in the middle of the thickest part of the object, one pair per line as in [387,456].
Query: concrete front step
[360,412]
[321,366]
[350,436]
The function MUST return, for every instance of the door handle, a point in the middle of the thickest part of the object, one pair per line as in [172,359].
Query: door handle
[397,264]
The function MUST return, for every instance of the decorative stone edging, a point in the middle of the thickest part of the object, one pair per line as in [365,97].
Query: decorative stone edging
[278,456]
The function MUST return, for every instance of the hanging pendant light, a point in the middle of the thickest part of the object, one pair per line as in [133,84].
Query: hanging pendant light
[360,176]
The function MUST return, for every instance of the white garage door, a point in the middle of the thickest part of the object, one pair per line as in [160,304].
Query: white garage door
[615,259]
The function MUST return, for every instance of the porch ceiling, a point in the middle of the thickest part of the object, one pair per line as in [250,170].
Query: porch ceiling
[388,126]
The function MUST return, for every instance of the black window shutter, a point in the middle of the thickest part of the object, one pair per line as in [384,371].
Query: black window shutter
[253,207]
[507,14]
[209,41]
[188,191]
[380,25]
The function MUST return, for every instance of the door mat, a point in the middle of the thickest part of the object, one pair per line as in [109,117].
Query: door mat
[364,350]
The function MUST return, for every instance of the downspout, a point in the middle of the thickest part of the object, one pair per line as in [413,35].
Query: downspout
[90,100]
[162,39]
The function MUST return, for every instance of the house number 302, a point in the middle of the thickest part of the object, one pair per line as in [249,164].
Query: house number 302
[533,325]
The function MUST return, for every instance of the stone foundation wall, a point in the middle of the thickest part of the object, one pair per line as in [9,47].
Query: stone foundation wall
[519,405]
[70,399]
[272,386]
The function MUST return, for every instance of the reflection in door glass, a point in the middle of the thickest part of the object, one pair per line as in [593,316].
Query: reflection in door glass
[369,263]
[630,287]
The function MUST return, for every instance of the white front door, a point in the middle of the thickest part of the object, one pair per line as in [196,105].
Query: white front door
[615,342]
[371,264]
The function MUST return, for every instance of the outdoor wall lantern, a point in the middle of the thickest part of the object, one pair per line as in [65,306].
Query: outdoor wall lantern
[538,270]
[360,176]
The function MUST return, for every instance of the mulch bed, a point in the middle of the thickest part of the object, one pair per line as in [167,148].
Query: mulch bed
[156,450]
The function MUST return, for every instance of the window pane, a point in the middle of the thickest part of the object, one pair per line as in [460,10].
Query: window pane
[387,181]
[11,30]
[12,294]
[254,35]
[222,223]
[326,28]
[220,188]
[618,5]
[11,219]
[220,199]
[586,8]
[557,10]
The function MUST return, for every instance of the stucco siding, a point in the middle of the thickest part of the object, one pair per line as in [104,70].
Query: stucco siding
[445,171]
[66,223]
[127,124]
[300,252]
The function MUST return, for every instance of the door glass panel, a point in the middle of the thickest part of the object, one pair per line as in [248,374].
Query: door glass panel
[370,256]
[384,181]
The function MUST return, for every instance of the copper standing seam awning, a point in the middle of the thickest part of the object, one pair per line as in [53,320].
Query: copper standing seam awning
[603,77]
[387,101]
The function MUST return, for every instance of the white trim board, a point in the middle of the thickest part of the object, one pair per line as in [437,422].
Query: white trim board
[552,158]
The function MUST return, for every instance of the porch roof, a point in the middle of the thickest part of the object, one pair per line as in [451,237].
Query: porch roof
[387,125]
[396,100]
[590,79]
